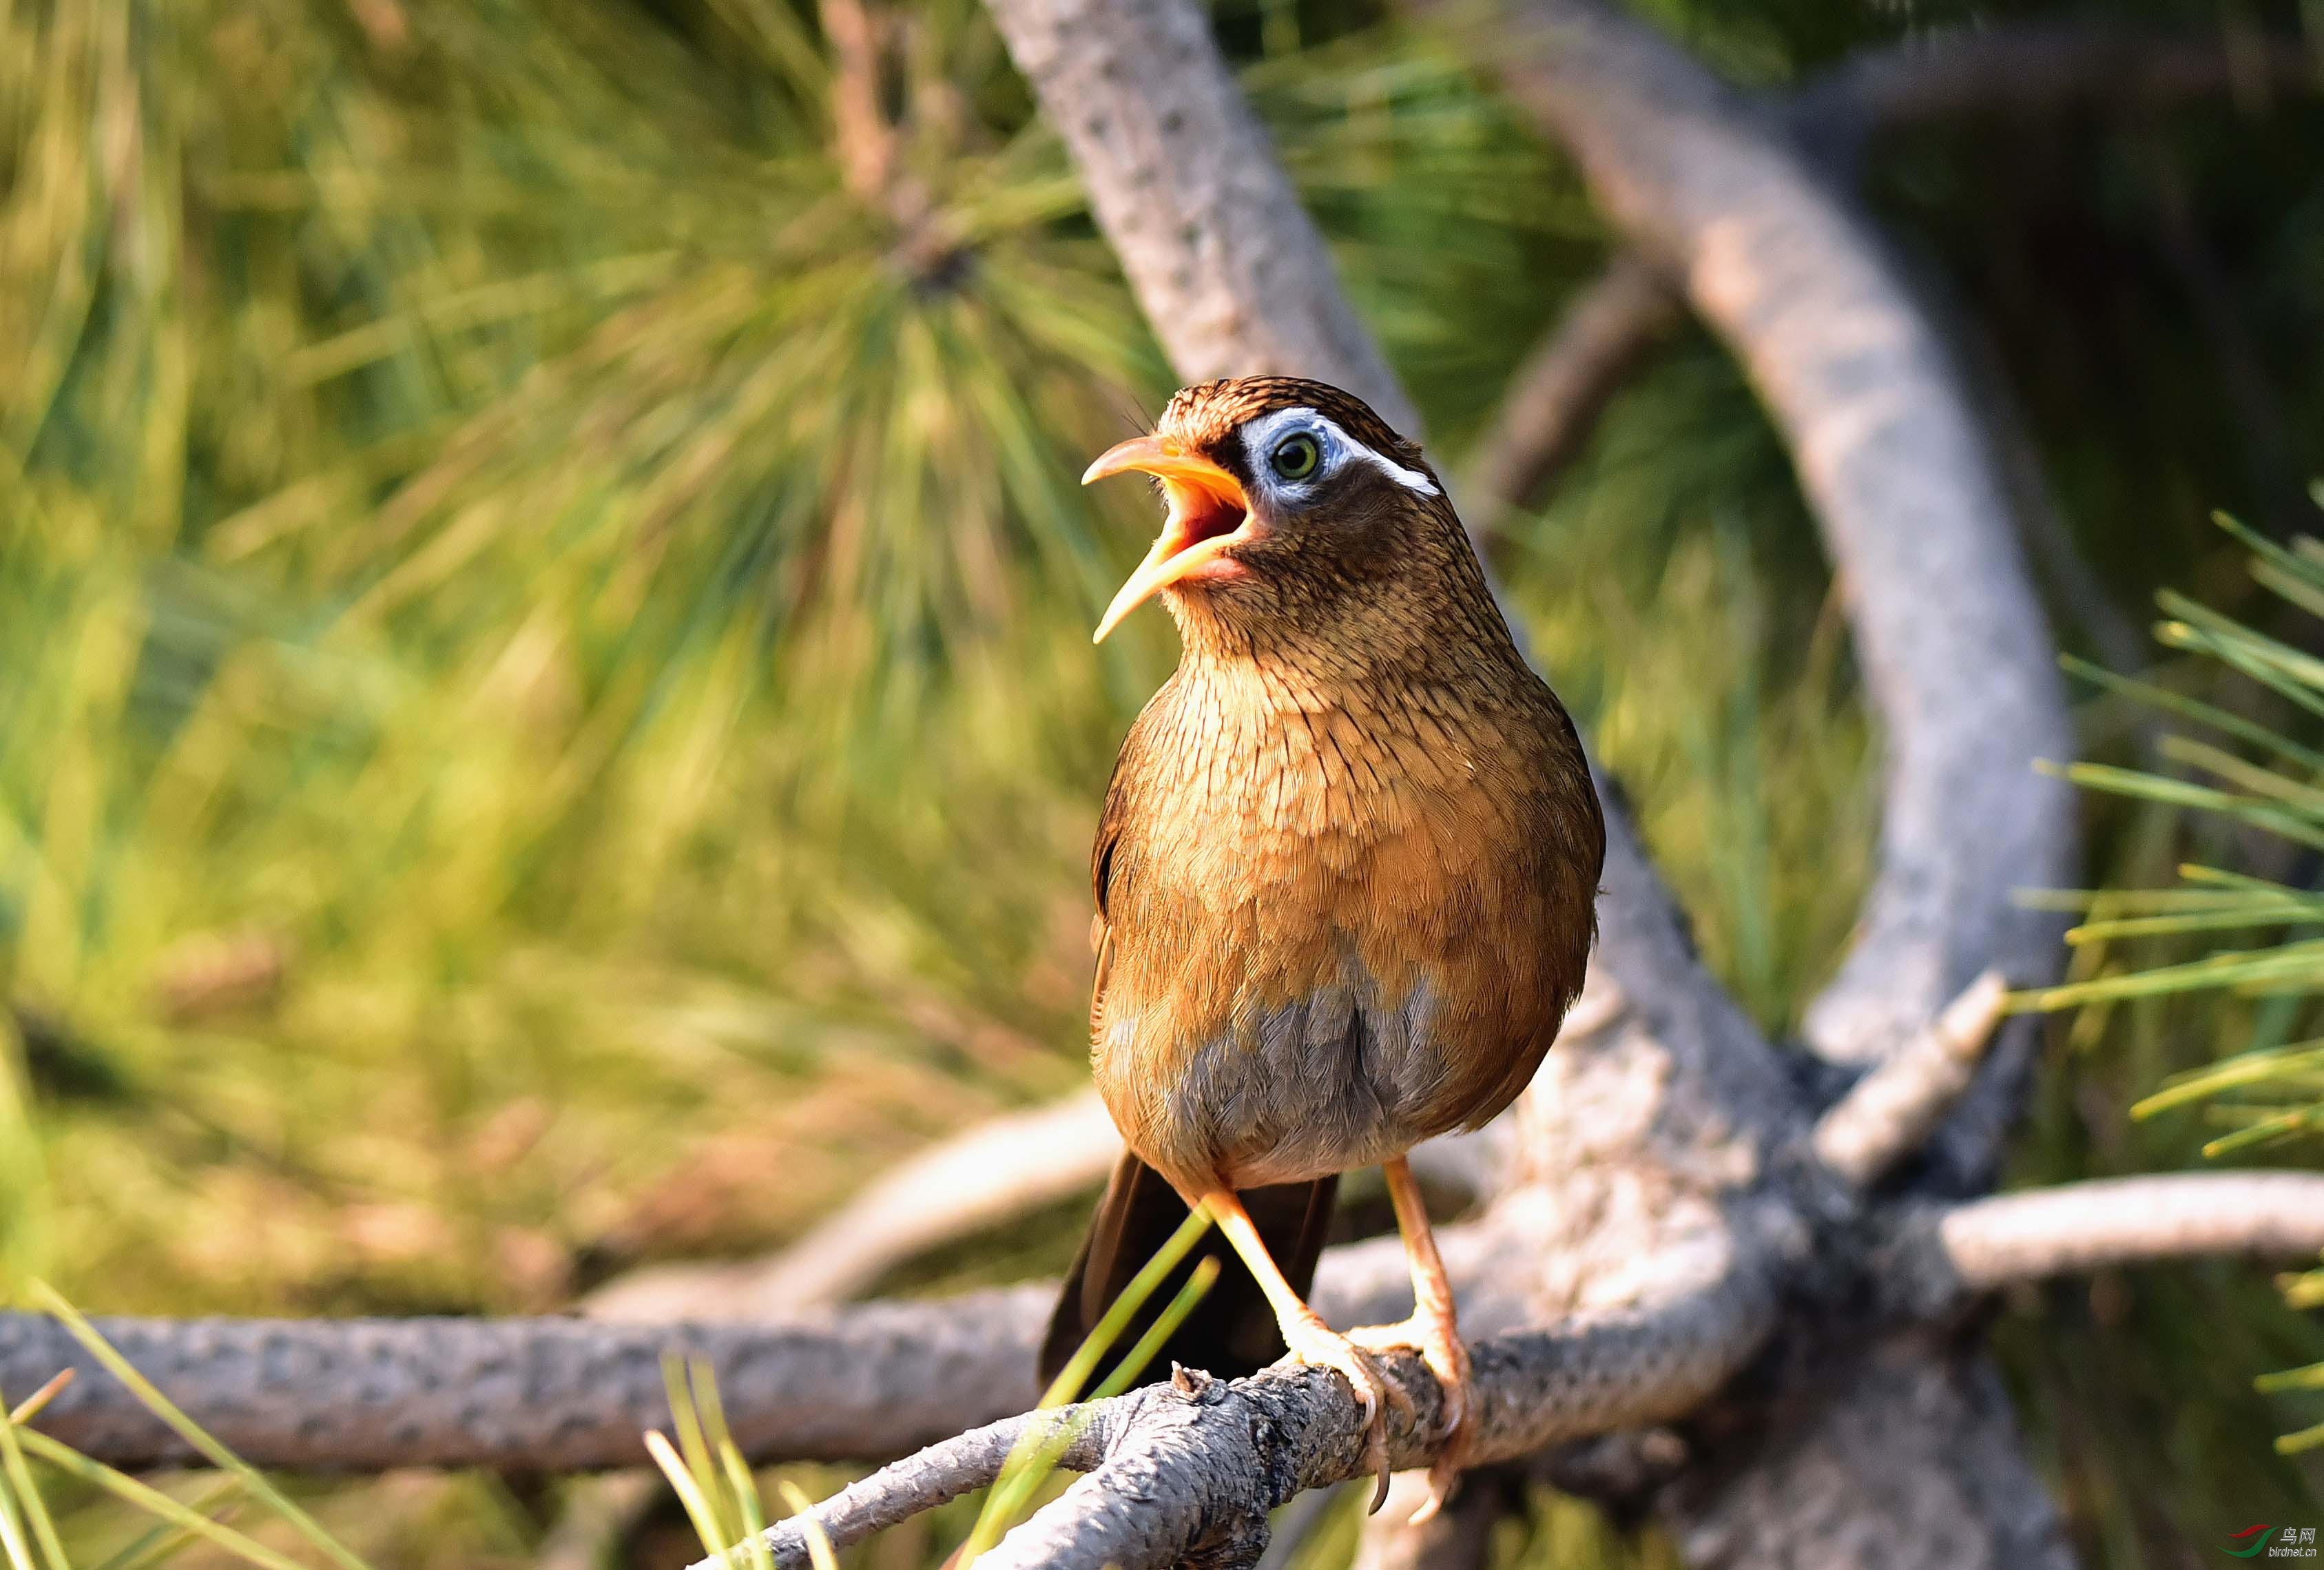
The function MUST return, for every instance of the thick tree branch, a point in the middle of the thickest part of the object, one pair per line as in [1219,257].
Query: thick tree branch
[980,1178]
[1886,1116]
[1902,479]
[2020,69]
[1552,400]
[1210,1458]
[937,1475]
[1191,195]
[558,1395]
[1824,1491]
[873,1382]
[2127,1221]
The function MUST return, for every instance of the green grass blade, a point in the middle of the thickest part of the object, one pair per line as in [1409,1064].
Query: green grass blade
[2260,814]
[2219,878]
[2235,770]
[260,1487]
[2291,563]
[742,1489]
[2296,665]
[2212,921]
[688,1489]
[745,1489]
[2179,636]
[2305,1439]
[2296,963]
[154,1503]
[685,1416]
[2290,586]
[166,1538]
[1023,1474]
[33,1404]
[2232,1073]
[12,1531]
[2310,1378]
[819,1551]
[2267,1131]
[2193,709]
[1158,1334]
[1074,1375]
[36,1509]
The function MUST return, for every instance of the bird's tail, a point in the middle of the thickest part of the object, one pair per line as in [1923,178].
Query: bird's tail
[1232,1331]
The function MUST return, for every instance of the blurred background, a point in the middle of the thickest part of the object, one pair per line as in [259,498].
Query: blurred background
[547,718]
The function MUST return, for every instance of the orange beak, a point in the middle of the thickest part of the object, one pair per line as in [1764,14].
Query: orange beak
[1208,514]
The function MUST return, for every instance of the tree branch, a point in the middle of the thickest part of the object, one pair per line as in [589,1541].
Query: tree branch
[1188,1469]
[2127,1221]
[1191,196]
[1553,399]
[1900,476]
[556,1395]
[980,1178]
[2020,69]
[1886,1115]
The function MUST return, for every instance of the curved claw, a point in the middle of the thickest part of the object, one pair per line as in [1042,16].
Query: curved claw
[1318,1345]
[1440,1346]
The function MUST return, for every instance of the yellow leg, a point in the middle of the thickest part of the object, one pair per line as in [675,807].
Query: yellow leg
[1432,1331]
[1310,1340]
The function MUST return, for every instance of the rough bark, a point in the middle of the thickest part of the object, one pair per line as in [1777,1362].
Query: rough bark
[2087,1226]
[1904,486]
[550,1394]
[1190,194]
[871,1382]
[1891,1467]
[1886,1116]
[1902,479]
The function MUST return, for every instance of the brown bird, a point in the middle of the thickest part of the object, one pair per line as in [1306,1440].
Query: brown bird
[1346,876]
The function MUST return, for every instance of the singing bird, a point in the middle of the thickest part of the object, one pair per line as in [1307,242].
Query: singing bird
[1346,876]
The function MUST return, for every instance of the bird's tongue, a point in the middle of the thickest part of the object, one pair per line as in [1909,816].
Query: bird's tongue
[1208,512]
[1201,525]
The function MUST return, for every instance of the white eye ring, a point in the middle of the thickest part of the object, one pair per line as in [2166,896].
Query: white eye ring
[1261,437]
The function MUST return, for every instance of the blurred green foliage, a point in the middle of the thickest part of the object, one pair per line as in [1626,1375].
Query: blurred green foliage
[545,716]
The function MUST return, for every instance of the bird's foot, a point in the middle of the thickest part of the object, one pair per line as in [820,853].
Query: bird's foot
[1316,1344]
[1438,1342]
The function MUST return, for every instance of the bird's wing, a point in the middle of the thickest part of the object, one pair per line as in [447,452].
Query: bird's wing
[1110,824]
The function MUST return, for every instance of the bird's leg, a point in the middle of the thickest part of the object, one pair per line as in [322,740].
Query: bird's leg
[1310,1340]
[1431,1330]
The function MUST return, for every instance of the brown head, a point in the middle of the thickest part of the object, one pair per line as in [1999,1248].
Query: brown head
[1295,515]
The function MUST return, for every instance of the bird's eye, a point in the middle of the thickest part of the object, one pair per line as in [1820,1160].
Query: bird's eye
[1295,458]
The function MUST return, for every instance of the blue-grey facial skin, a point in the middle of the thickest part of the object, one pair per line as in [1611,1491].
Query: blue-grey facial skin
[1279,496]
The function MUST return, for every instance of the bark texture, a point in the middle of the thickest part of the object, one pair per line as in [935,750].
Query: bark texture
[1191,195]
[1649,1170]
[1903,481]
[551,1394]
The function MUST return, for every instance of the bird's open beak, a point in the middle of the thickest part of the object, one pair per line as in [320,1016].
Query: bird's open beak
[1208,512]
